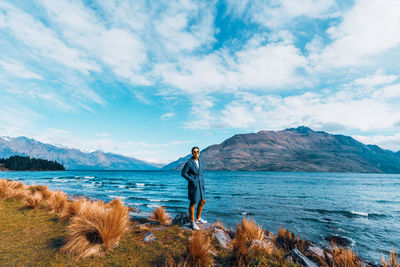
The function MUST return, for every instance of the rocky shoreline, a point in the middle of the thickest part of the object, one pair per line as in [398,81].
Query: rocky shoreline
[90,228]
[313,256]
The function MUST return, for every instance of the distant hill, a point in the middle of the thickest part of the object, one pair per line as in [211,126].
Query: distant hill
[177,163]
[72,159]
[297,149]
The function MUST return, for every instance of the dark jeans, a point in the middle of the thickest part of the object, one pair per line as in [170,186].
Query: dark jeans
[199,209]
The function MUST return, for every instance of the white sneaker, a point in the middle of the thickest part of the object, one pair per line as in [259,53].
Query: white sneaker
[194,226]
[200,220]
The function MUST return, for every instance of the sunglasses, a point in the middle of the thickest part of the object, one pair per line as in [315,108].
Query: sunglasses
[196,151]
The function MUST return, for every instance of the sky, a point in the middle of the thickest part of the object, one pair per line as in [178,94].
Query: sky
[151,79]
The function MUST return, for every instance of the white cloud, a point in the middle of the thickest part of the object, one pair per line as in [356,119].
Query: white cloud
[18,69]
[348,109]
[258,66]
[103,134]
[42,40]
[366,30]
[118,48]
[203,118]
[167,116]
[16,118]
[49,98]
[278,13]
[391,142]
[175,31]
[379,78]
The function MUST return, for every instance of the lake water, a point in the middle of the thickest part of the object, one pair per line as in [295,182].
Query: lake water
[364,208]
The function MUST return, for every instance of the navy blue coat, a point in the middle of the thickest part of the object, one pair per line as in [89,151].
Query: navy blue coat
[195,178]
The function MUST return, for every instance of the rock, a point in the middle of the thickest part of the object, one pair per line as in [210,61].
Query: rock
[149,236]
[202,226]
[289,259]
[212,252]
[316,250]
[338,240]
[261,244]
[301,259]
[223,238]
[181,218]
[205,226]
[141,217]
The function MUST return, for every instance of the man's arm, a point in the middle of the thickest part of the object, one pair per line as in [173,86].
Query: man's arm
[185,173]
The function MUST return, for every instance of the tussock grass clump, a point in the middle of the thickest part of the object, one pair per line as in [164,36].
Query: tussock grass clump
[114,203]
[57,201]
[161,216]
[169,261]
[393,261]
[12,189]
[341,257]
[246,233]
[96,227]
[219,224]
[198,248]
[287,240]
[72,208]
[251,230]
[33,200]
[43,189]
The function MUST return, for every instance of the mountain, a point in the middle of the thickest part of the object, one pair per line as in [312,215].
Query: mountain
[296,149]
[176,164]
[72,159]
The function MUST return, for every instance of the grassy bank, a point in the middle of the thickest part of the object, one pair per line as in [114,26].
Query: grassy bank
[39,227]
[33,237]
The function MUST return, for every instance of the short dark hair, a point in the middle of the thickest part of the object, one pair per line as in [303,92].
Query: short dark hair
[194,148]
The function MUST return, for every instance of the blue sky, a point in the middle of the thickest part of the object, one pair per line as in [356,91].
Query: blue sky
[151,79]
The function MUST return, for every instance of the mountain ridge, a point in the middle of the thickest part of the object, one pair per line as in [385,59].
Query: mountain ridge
[71,158]
[296,149]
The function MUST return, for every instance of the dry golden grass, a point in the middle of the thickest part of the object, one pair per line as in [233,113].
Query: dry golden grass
[12,189]
[96,227]
[143,228]
[170,262]
[250,230]
[246,232]
[341,257]
[16,185]
[219,224]
[161,216]
[198,248]
[33,200]
[393,261]
[113,203]
[287,240]
[57,201]
[43,189]
[72,208]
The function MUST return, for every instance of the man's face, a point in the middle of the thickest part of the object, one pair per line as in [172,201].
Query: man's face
[196,153]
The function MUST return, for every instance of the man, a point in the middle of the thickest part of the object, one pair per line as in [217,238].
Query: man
[193,173]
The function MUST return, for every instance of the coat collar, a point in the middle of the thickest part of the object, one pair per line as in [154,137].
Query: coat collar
[194,164]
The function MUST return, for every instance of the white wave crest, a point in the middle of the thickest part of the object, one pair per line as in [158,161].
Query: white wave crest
[360,213]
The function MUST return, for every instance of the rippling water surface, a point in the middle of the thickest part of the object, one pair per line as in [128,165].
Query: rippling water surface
[364,208]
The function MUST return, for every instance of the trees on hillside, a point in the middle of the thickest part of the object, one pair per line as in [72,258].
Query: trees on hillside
[21,163]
